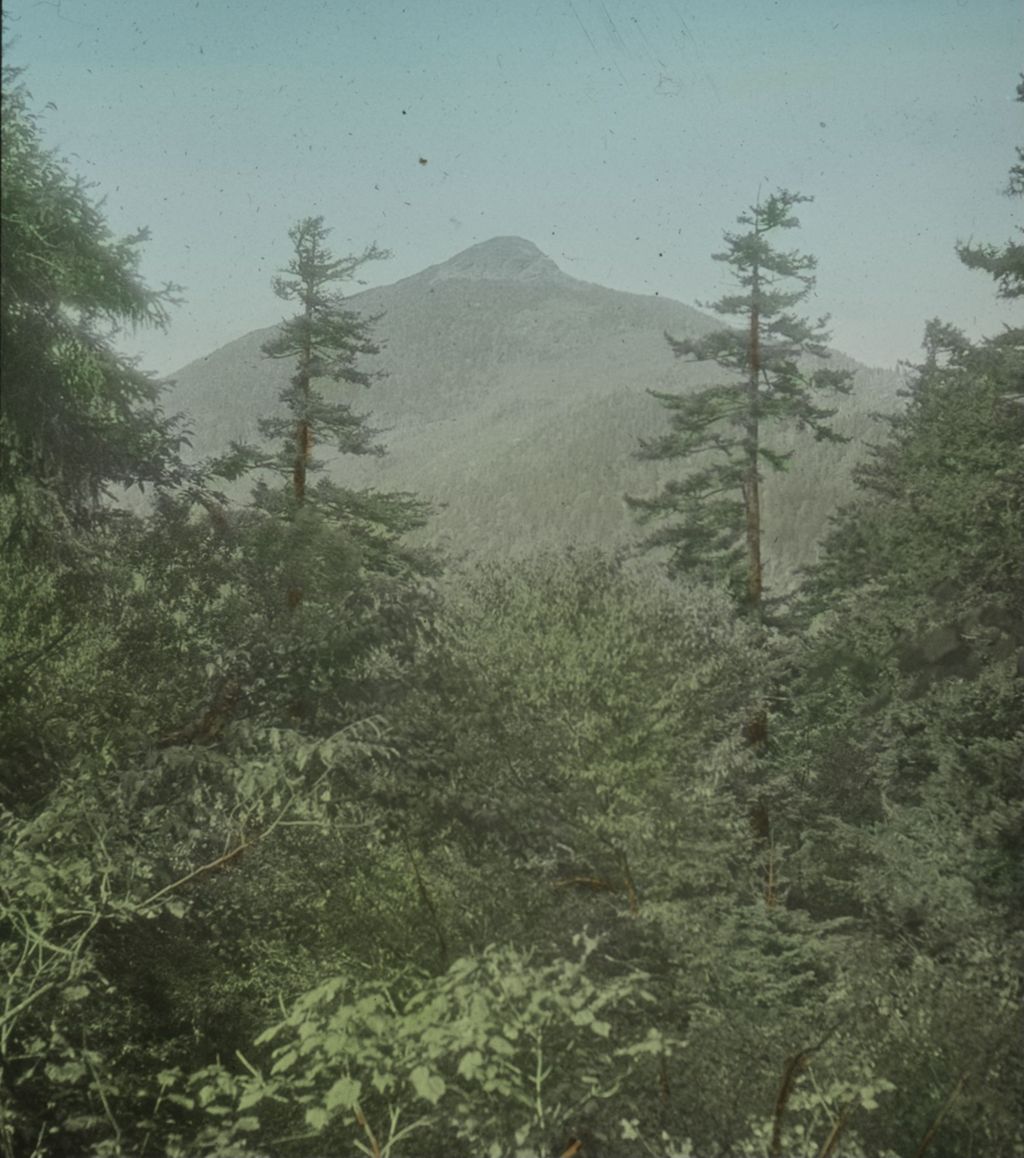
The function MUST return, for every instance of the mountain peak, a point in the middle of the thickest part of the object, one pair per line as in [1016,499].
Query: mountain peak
[500,259]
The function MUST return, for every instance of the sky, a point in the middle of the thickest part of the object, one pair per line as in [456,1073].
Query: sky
[622,137]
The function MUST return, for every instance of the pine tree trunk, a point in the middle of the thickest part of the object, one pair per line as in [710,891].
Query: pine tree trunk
[303,441]
[756,730]
[303,434]
[752,487]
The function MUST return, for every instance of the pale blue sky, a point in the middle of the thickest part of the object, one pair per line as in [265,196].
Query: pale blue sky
[622,136]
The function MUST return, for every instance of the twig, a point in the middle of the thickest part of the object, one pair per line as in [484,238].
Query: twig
[365,1125]
[794,1066]
[597,884]
[221,860]
[634,900]
[838,1126]
[103,1097]
[428,904]
[933,1129]
[789,1075]
[218,863]
[11,1013]
[28,659]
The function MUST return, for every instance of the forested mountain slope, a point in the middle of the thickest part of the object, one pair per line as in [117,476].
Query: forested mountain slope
[513,397]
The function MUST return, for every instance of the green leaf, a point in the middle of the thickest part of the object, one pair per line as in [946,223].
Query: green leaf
[284,1062]
[206,1095]
[67,1073]
[470,1064]
[316,1117]
[382,1082]
[251,1096]
[429,1086]
[345,1092]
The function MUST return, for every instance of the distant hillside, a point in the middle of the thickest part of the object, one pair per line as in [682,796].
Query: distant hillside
[513,399]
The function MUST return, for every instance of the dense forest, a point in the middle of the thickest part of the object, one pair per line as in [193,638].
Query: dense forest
[313,845]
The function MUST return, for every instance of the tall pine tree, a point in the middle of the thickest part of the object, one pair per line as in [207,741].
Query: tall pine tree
[326,340]
[713,514]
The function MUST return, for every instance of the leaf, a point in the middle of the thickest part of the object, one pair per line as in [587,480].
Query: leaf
[285,1061]
[345,1092]
[206,1095]
[470,1064]
[629,1130]
[429,1086]
[316,1117]
[382,1082]
[251,1096]
[68,1072]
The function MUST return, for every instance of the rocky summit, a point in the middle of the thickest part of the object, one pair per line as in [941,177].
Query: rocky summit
[500,259]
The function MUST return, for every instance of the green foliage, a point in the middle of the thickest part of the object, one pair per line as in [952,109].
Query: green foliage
[76,415]
[942,517]
[501,1055]
[124,868]
[579,721]
[324,340]
[894,774]
[715,509]
[311,535]
[1004,263]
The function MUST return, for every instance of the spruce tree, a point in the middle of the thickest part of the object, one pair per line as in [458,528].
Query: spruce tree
[1005,263]
[318,533]
[76,414]
[715,510]
[326,340]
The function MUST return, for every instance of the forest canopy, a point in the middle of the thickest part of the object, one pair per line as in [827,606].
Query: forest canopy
[312,844]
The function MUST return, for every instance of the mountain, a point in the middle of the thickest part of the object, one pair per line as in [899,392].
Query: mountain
[513,397]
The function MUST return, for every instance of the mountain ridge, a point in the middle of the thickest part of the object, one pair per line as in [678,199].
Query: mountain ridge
[513,398]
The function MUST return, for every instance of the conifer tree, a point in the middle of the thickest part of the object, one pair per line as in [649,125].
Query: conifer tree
[715,510]
[76,414]
[326,341]
[315,528]
[1005,263]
